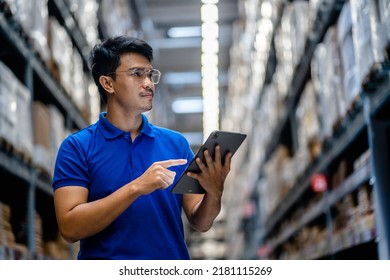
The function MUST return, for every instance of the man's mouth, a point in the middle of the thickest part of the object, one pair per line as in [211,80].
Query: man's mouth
[150,95]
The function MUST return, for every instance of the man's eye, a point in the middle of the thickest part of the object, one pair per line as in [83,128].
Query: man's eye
[138,72]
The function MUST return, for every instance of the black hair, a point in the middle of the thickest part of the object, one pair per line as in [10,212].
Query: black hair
[105,56]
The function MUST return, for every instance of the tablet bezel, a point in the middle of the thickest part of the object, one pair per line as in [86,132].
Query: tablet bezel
[228,142]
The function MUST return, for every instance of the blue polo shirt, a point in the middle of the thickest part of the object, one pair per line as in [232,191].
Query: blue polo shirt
[103,158]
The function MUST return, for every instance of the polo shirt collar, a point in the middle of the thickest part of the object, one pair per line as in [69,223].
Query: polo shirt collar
[146,128]
[109,131]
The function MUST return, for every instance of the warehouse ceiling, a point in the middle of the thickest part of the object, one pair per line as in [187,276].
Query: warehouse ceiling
[179,58]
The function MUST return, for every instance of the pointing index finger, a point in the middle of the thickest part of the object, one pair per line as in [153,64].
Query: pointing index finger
[172,162]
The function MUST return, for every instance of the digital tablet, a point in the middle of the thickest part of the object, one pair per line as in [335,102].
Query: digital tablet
[228,142]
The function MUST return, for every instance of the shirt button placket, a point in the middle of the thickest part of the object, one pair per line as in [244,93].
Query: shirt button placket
[127,137]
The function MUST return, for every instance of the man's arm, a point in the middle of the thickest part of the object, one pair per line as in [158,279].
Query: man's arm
[201,210]
[77,218]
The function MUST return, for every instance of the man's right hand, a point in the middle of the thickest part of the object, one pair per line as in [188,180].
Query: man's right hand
[158,176]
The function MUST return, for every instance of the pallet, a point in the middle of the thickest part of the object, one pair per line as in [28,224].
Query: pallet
[315,148]
[354,106]
[23,156]
[377,74]
[11,149]
[338,125]
[6,145]
[44,173]
[342,122]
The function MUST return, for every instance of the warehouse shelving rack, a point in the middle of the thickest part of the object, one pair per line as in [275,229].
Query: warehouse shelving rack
[29,188]
[376,110]
[365,128]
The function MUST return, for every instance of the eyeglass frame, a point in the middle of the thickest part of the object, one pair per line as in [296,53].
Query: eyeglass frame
[146,73]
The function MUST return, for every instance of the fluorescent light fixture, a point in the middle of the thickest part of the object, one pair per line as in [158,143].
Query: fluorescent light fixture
[194,138]
[210,29]
[210,48]
[182,78]
[187,105]
[209,13]
[266,9]
[209,58]
[210,1]
[185,31]
[210,45]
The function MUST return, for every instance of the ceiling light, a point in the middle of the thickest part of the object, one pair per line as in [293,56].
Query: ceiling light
[266,9]
[209,13]
[210,83]
[210,1]
[182,78]
[187,105]
[185,31]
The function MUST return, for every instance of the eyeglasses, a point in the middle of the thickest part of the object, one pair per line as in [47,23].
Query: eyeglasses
[140,74]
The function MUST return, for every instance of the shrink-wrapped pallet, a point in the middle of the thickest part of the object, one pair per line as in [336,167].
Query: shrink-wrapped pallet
[367,41]
[33,16]
[8,101]
[41,120]
[57,132]
[24,137]
[350,78]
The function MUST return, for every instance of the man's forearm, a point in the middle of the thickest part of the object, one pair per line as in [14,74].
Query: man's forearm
[205,213]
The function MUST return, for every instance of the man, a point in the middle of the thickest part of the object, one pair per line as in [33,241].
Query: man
[112,180]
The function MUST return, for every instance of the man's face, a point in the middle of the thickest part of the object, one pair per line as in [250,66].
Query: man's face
[132,89]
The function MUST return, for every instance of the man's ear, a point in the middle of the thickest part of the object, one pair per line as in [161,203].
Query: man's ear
[106,83]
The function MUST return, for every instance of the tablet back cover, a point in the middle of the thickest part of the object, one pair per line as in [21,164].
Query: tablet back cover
[228,142]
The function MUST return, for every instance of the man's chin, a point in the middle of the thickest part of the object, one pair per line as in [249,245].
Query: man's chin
[147,109]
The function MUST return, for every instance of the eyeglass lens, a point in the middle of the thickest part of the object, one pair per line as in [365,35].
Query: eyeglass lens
[153,74]
[140,73]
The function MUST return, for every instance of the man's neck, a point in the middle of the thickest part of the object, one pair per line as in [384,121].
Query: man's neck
[128,123]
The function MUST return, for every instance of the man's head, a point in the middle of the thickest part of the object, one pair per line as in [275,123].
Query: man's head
[105,56]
